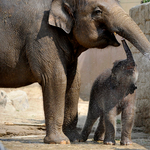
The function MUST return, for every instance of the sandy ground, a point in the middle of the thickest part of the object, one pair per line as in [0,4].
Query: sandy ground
[28,131]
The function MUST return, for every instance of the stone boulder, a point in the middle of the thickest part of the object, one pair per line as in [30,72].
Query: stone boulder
[2,147]
[19,100]
[3,98]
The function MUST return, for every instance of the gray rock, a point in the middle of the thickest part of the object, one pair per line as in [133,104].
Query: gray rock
[2,147]
[19,100]
[3,98]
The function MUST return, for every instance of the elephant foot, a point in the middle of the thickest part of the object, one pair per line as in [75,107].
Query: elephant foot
[73,135]
[98,138]
[82,138]
[56,139]
[126,142]
[109,142]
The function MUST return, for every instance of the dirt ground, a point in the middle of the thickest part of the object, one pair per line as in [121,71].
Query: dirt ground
[28,130]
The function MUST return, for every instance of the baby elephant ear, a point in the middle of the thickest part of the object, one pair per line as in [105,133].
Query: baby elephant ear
[114,83]
[61,15]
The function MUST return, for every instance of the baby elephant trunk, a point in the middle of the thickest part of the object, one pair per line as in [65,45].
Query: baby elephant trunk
[130,59]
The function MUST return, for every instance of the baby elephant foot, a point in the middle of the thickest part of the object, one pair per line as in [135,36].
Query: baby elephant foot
[126,142]
[109,142]
[98,138]
[73,135]
[82,138]
[56,139]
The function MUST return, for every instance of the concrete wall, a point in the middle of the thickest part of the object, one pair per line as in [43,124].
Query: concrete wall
[141,15]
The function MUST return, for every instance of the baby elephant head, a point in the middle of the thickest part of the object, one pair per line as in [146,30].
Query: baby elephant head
[124,72]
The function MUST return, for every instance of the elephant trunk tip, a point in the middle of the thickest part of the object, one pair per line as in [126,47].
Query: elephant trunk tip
[128,53]
[146,54]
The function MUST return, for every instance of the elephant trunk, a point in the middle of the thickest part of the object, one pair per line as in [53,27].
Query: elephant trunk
[123,25]
[130,59]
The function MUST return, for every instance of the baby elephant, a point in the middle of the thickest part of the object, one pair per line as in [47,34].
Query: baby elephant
[113,93]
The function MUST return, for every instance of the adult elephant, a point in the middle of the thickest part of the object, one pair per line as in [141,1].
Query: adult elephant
[40,41]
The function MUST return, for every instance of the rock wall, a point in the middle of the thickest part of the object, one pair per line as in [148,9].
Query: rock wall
[141,15]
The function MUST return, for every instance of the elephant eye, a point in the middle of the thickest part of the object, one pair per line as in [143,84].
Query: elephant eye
[97,11]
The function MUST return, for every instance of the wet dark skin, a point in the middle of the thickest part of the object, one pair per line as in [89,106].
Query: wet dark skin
[41,41]
[112,93]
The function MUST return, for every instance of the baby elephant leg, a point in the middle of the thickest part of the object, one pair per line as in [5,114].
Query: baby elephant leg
[110,125]
[128,120]
[93,114]
[100,131]
[127,125]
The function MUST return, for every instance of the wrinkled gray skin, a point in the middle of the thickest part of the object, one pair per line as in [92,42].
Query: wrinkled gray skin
[41,41]
[113,92]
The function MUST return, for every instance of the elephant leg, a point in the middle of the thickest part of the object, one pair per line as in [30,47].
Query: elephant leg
[54,89]
[100,131]
[71,103]
[110,126]
[93,114]
[127,124]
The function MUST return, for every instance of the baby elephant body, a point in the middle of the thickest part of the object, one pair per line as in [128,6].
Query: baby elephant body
[113,92]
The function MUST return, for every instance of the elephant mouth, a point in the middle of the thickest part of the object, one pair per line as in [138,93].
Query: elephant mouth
[107,38]
[114,41]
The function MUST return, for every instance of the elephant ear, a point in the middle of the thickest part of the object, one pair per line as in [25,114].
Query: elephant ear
[114,83]
[61,15]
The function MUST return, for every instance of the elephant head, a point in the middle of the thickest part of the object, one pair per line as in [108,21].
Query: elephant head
[125,72]
[93,23]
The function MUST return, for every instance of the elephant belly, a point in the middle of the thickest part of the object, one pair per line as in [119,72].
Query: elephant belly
[19,76]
